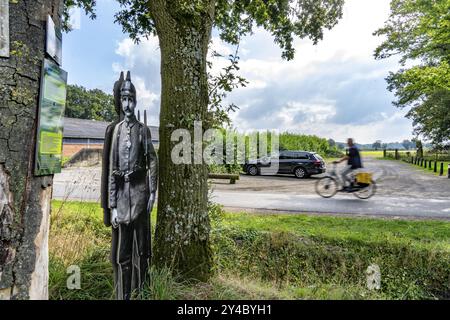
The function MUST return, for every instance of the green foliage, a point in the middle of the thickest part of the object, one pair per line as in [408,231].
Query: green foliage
[432,118]
[89,104]
[287,141]
[284,19]
[420,31]
[292,141]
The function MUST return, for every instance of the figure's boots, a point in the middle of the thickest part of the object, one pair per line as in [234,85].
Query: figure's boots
[123,284]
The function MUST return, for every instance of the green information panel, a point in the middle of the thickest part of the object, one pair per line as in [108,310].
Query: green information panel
[51,114]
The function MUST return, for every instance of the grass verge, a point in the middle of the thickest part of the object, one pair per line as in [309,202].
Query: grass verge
[268,257]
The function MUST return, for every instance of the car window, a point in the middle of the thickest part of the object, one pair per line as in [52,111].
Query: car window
[285,155]
[302,156]
[318,157]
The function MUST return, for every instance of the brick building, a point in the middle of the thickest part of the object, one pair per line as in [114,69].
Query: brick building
[79,134]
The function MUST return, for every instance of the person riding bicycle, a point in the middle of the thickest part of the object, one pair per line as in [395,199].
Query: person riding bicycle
[354,162]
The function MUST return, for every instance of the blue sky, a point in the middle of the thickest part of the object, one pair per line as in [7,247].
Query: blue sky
[334,90]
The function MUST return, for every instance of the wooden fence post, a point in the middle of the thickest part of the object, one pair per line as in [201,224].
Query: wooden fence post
[435,166]
[441,172]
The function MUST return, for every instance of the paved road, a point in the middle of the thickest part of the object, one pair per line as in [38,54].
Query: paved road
[403,191]
[342,204]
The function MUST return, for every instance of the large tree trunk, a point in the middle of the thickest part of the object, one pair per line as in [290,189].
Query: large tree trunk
[182,230]
[24,199]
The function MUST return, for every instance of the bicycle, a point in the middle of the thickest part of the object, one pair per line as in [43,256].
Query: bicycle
[362,185]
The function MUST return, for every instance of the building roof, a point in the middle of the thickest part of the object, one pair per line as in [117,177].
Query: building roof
[92,129]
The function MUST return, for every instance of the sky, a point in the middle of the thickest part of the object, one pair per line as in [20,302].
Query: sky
[335,89]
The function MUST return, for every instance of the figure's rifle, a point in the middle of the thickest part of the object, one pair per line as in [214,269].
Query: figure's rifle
[149,176]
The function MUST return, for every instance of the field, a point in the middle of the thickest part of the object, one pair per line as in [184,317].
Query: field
[268,257]
[372,154]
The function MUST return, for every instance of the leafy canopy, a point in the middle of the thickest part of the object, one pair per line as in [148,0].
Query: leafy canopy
[284,19]
[89,104]
[419,32]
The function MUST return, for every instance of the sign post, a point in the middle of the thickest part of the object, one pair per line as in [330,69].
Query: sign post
[51,114]
[4,28]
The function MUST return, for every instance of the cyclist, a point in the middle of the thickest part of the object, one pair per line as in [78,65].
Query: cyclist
[354,162]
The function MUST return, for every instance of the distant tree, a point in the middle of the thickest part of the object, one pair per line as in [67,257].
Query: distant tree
[89,104]
[341,146]
[407,144]
[384,146]
[331,143]
[377,145]
[419,147]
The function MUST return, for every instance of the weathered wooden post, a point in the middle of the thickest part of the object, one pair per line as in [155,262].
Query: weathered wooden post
[441,172]
[435,166]
[24,197]
[384,153]
[448,170]
[396,154]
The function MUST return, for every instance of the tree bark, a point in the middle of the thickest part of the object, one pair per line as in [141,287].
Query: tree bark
[24,199]
[182,230]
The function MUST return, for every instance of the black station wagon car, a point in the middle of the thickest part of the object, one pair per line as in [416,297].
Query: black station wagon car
[300,163]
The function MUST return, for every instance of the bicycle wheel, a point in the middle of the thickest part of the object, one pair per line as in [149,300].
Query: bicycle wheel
[367,192]
[327,187]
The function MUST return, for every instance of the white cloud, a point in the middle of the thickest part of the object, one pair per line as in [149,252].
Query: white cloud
[143,61]
[335,89]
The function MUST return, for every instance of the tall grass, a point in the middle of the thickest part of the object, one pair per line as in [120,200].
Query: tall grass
[267,257]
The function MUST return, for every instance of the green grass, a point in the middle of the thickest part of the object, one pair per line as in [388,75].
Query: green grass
[446,163]
[64,160]
[423,234]
[428,170]
[268,257]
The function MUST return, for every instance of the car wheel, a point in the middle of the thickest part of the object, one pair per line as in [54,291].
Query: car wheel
[253,171]
[300,173]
